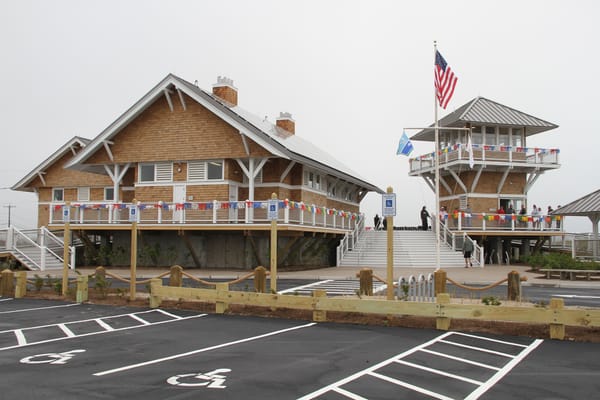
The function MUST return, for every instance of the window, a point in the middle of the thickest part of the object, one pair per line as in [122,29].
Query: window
[83,194]
[214,170]
[516,139]
[503,137]
[58,194]
[313,180]
[205,170]
[160,172]
[109,193]
[490,135]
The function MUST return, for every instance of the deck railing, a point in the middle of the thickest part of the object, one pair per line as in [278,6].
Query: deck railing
[462,221]
[203,213]
[487,153]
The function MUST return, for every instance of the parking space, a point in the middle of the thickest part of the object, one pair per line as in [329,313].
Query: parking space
[68,351]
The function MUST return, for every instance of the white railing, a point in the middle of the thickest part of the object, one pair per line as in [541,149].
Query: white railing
[350,240]
[200,213]
[25,244]
[462,221]
[456,240]
[420,288]
[487,153]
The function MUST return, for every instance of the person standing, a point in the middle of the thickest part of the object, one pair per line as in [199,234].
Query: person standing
[467,252]
[376,222]
[468,216]
[424,217]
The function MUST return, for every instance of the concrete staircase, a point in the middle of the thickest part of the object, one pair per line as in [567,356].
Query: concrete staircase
[411,249]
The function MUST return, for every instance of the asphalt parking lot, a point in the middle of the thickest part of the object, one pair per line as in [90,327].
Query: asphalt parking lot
[59,350]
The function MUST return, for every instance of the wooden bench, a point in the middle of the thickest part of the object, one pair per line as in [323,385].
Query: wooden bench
[570,274]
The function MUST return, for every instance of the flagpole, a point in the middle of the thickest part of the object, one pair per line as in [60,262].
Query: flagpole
[437,171]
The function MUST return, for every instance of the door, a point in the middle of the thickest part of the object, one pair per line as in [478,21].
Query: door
[233,197]
[179,192]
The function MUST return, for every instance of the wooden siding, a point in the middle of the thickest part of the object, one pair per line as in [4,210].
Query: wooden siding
[159,134]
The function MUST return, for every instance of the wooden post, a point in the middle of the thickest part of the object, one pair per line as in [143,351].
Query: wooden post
[21,288]
[82,289]
[514,286]
[557,329]
[366,281]
[176,277]
[439,279]
[133,272]
[390,252]
[274,251]
[222,289]
[67,239]
[442,322]
[319,315]
[7,284]
[260,279]
[155,299]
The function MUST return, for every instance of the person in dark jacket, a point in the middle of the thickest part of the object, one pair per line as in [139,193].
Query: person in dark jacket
[467,251]
[424,216]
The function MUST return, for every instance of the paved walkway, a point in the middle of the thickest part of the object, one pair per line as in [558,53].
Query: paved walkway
[470,276]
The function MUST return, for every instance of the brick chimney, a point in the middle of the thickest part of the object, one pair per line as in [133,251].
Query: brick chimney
[286,122]
[225,90]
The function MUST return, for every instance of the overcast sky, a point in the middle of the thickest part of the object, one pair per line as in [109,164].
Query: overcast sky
[352,73]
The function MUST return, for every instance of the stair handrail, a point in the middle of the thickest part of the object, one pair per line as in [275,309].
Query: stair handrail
[350,239]
[48,234]
[17,233]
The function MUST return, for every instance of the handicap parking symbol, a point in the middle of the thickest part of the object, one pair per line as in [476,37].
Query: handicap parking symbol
[51,358]
[212,380]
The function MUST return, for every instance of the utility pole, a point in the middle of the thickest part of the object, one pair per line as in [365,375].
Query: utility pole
[10,207]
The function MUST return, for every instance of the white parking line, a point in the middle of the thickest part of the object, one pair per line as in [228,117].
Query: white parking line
[1,299]
[189,353]
[297,288]
[482,387]
[22,340]
[39,308]
[500,374]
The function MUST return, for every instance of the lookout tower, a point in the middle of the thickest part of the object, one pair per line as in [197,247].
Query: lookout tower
[488,167]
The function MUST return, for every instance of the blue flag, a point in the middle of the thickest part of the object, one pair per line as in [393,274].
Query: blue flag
[405,147]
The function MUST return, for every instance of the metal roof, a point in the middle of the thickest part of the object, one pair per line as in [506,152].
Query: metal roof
[586,206]
[22,185]
[264,133]
[482,111]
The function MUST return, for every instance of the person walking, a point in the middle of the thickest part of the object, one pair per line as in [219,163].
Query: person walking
[424,217]
[467,251]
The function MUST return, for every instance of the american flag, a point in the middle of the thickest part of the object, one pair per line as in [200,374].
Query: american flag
[445,80]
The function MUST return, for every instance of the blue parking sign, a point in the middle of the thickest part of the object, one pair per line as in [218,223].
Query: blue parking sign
[389,205]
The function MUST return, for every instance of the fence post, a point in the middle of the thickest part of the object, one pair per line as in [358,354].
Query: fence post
[366,282]
[221,306]
[319,315]
[442,322]
[82,289]
[176,277]
[21,288]
[557,330]
[439,279]
[514,286]
[7,284]
[260,279]
[155,299]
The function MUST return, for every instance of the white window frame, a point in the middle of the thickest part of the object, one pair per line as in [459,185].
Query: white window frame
[83,193]
[198,170]
[113,193]
[58,190]
[162,172]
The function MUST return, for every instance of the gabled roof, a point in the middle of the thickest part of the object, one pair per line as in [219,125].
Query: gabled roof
[264,133]
[482,111]
[586,206]
[38,171]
